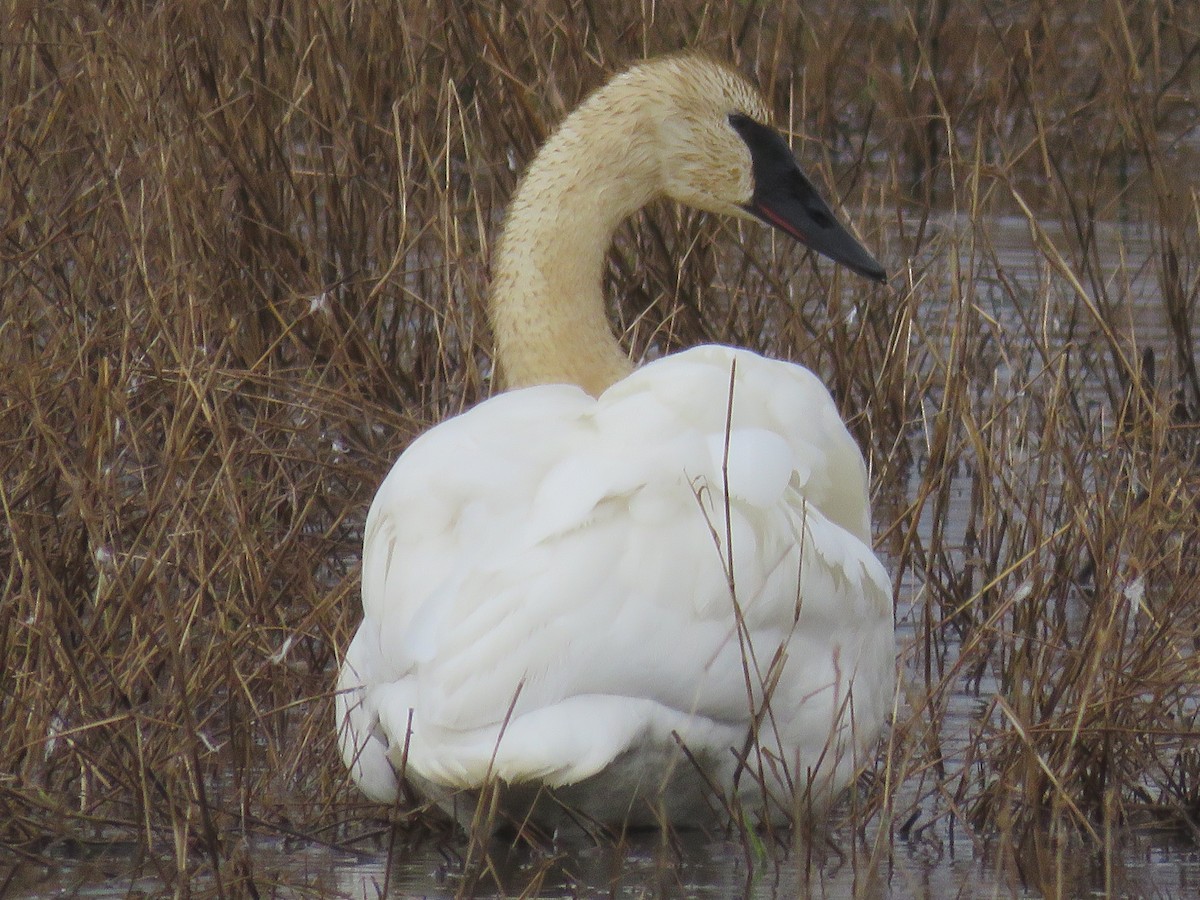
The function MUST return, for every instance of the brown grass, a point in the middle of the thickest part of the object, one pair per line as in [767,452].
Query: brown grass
[243,256]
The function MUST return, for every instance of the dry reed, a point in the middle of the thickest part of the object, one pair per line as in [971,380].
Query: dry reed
[243,255]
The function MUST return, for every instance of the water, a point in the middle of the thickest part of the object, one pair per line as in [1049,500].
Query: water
[930,864]
[697,867]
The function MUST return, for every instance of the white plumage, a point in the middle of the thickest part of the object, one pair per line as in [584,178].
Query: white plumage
[547,597]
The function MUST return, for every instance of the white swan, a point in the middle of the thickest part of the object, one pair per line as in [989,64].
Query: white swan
[545,579]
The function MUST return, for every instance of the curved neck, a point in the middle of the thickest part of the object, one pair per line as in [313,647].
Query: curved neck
[547,305]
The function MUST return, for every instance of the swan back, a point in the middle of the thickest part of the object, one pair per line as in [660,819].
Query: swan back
[546,591]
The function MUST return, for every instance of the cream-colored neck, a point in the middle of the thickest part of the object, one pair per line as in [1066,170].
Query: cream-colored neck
[547,305]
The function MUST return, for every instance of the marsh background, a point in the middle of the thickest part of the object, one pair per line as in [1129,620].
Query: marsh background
[244,250]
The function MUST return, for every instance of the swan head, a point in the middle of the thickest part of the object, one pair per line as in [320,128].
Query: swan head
[682,127]
[719,153]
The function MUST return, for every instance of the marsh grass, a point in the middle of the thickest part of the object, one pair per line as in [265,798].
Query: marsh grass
[243,258]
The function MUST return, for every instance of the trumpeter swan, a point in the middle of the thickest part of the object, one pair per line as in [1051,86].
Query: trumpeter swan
[634,597]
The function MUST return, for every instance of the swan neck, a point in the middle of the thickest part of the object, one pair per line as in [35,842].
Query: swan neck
[547,303]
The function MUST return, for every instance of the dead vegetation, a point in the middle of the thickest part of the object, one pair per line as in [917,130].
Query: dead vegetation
[243,255]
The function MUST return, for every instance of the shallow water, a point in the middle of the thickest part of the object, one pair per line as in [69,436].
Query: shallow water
[927,865]
[698,867]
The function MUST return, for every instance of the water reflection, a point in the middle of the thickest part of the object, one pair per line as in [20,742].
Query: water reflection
[695,867]
[930,863]
[927,865]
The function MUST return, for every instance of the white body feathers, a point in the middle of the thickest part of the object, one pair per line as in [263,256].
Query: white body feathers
[545,594]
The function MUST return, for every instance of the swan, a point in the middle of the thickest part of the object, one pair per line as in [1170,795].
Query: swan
[630,597]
